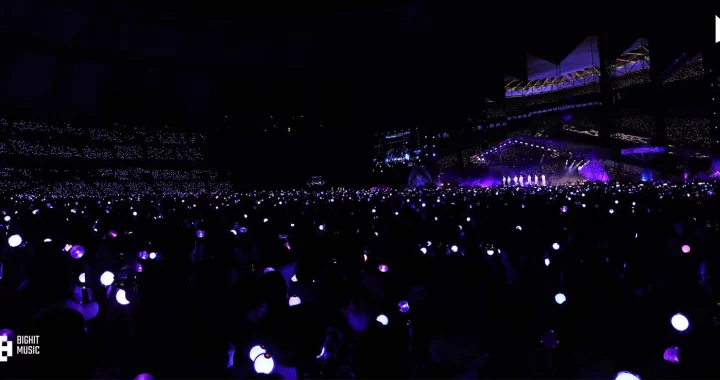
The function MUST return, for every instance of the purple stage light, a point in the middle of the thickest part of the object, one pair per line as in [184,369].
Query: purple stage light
[563,209]
[77,251]
[112,234]
[200,234]
[383,268]
[686,248]
[268,270]
[152,255]
[144,376]
[560,298]
[556,246]
[404,306]
[143,255]
[454,248]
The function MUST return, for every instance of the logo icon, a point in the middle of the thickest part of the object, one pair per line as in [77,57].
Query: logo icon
[6,348]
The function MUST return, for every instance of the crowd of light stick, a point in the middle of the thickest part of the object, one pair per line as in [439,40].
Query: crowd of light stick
[637,78]
[117,134]
[690,71]
[101,189]
[641,125]
[119,142]
[119,152]
[689,131]
[33,183]
[497,226]
[639,129]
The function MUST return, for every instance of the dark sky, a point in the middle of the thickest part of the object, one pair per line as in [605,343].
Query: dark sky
[391,63]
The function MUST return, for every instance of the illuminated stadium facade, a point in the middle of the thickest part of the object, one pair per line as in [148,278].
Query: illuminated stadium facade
[667,109]
[397,147]
[569,94]
[580,68]
[637,101]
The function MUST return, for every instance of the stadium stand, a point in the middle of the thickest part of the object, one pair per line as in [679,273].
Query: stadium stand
[104,161]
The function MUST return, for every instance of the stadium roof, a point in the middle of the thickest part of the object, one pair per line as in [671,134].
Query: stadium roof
[638,43]
[580,67]
[637,54]
[583,56]
[539,68]
[551,146]
[577,78]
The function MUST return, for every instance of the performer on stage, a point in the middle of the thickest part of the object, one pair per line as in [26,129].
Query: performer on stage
[536,180]
[515,180]
[521,181]
[529,180]
[503,180]
[543,179]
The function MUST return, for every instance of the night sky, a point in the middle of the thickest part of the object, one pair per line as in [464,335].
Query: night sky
[358,67]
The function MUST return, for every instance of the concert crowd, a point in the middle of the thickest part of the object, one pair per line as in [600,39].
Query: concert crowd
[63,141]
[587,281]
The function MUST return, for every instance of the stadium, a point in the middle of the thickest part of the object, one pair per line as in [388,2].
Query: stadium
[578,120]
[270,192]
